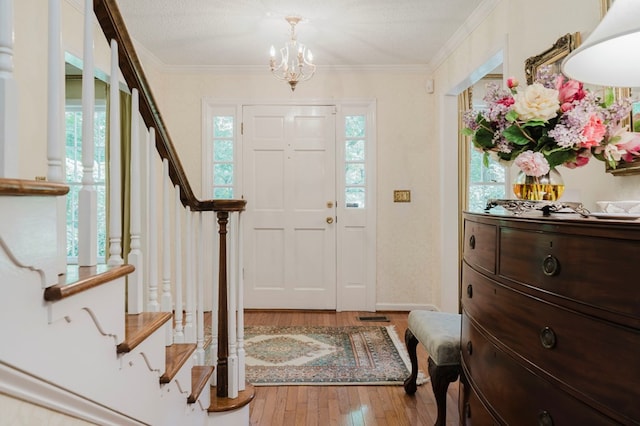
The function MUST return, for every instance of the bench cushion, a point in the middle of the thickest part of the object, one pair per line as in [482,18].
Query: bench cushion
[439,333]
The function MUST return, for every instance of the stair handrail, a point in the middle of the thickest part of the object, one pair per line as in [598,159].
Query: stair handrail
[114,28]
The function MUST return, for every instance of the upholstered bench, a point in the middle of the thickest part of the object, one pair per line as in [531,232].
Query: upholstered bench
[439,333]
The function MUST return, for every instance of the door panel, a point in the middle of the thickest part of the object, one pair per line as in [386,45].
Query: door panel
[289,174]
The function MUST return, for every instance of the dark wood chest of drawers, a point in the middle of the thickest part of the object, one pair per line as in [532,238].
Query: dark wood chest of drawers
[551,321]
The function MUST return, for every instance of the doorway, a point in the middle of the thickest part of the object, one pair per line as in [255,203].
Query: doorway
[290,223]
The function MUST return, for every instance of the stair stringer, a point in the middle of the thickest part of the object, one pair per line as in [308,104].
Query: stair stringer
[75,354]
[175,394]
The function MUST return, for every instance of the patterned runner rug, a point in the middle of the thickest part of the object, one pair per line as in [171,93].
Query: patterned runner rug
[353,355]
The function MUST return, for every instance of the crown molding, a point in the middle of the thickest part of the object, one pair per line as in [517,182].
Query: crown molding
[264,69]
[473,21]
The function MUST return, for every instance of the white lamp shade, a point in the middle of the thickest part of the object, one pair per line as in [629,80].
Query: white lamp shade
[609,56]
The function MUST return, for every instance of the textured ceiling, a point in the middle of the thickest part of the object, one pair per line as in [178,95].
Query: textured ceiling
[342,33]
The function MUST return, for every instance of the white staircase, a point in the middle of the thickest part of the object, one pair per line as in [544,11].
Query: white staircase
[112,344]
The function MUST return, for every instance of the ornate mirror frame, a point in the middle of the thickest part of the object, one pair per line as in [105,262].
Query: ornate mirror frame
[552,56]
[623,169]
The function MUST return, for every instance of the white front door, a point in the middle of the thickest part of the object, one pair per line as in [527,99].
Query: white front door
[289,181]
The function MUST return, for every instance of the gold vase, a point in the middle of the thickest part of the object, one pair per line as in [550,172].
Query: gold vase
[547,187]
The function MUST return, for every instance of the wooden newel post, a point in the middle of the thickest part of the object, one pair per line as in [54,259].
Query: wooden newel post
[223,333]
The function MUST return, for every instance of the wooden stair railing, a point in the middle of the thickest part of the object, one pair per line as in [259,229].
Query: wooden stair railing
[114,28]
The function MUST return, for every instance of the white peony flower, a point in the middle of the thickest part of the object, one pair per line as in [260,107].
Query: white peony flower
[536,102]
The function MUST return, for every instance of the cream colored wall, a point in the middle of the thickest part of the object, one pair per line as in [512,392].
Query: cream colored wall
[417,242]
[30,65]
[18,412]
[405,233]
[519,28]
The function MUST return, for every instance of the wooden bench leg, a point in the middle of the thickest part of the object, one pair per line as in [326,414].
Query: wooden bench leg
[410,340]
[441,376]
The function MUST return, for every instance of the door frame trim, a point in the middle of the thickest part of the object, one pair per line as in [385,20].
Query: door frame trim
[366,300]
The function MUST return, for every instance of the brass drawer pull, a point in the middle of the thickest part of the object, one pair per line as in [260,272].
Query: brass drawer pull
[547,338]
[550,266]
[545,419]
[472,242]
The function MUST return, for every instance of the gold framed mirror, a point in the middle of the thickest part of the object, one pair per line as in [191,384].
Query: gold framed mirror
[632,168]
[553,56]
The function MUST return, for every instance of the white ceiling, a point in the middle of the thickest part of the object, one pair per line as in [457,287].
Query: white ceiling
[340,33]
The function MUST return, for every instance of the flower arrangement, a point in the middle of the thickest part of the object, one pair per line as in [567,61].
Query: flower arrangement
[554,121]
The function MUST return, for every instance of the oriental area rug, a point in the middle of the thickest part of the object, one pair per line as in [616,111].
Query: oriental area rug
[352,355]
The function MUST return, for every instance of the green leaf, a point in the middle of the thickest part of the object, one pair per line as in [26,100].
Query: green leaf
[559,156]
[609,97]
[485,159]
[467,131]
[511,116]
[516,135]
[483,138]
[534,123]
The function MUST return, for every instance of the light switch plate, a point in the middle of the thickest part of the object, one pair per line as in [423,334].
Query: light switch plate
[401,196]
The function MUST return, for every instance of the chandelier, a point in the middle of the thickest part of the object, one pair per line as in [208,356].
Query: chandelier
[296,61]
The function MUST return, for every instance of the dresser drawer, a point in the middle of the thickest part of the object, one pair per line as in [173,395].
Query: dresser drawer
[523,397]
[573,348]
[590,270]
[472,411]
[480,245]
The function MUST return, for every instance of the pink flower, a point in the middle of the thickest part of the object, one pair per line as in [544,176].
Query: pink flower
[581,160]
[506,101]
[630,143]
[512,82]
[593,132]
[532,163]
[569,91]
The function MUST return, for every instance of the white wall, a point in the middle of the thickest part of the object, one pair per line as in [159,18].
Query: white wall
[405,233]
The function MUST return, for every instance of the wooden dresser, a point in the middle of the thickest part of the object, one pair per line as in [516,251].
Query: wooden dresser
[551,321]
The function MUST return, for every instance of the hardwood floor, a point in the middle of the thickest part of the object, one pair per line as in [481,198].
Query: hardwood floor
[344,405]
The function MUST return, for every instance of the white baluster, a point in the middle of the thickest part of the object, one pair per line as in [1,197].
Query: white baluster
[178,333]
[115,161]
[8,95]
[240,278]
[232,360]
[55,130]
[200,293]
[87,198]
[152,210]
[166,239]
[189,327]
[135,287]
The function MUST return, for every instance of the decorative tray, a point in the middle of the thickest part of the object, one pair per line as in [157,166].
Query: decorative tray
[518,207]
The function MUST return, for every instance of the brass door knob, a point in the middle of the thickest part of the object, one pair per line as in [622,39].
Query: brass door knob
[329,220]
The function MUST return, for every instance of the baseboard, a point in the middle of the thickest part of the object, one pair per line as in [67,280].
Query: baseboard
[404,307]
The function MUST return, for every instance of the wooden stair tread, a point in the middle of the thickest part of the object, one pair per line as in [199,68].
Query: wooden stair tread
[200,376]
[31,187]
[220,404]
[176,356]
[140,326]
[82,278]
